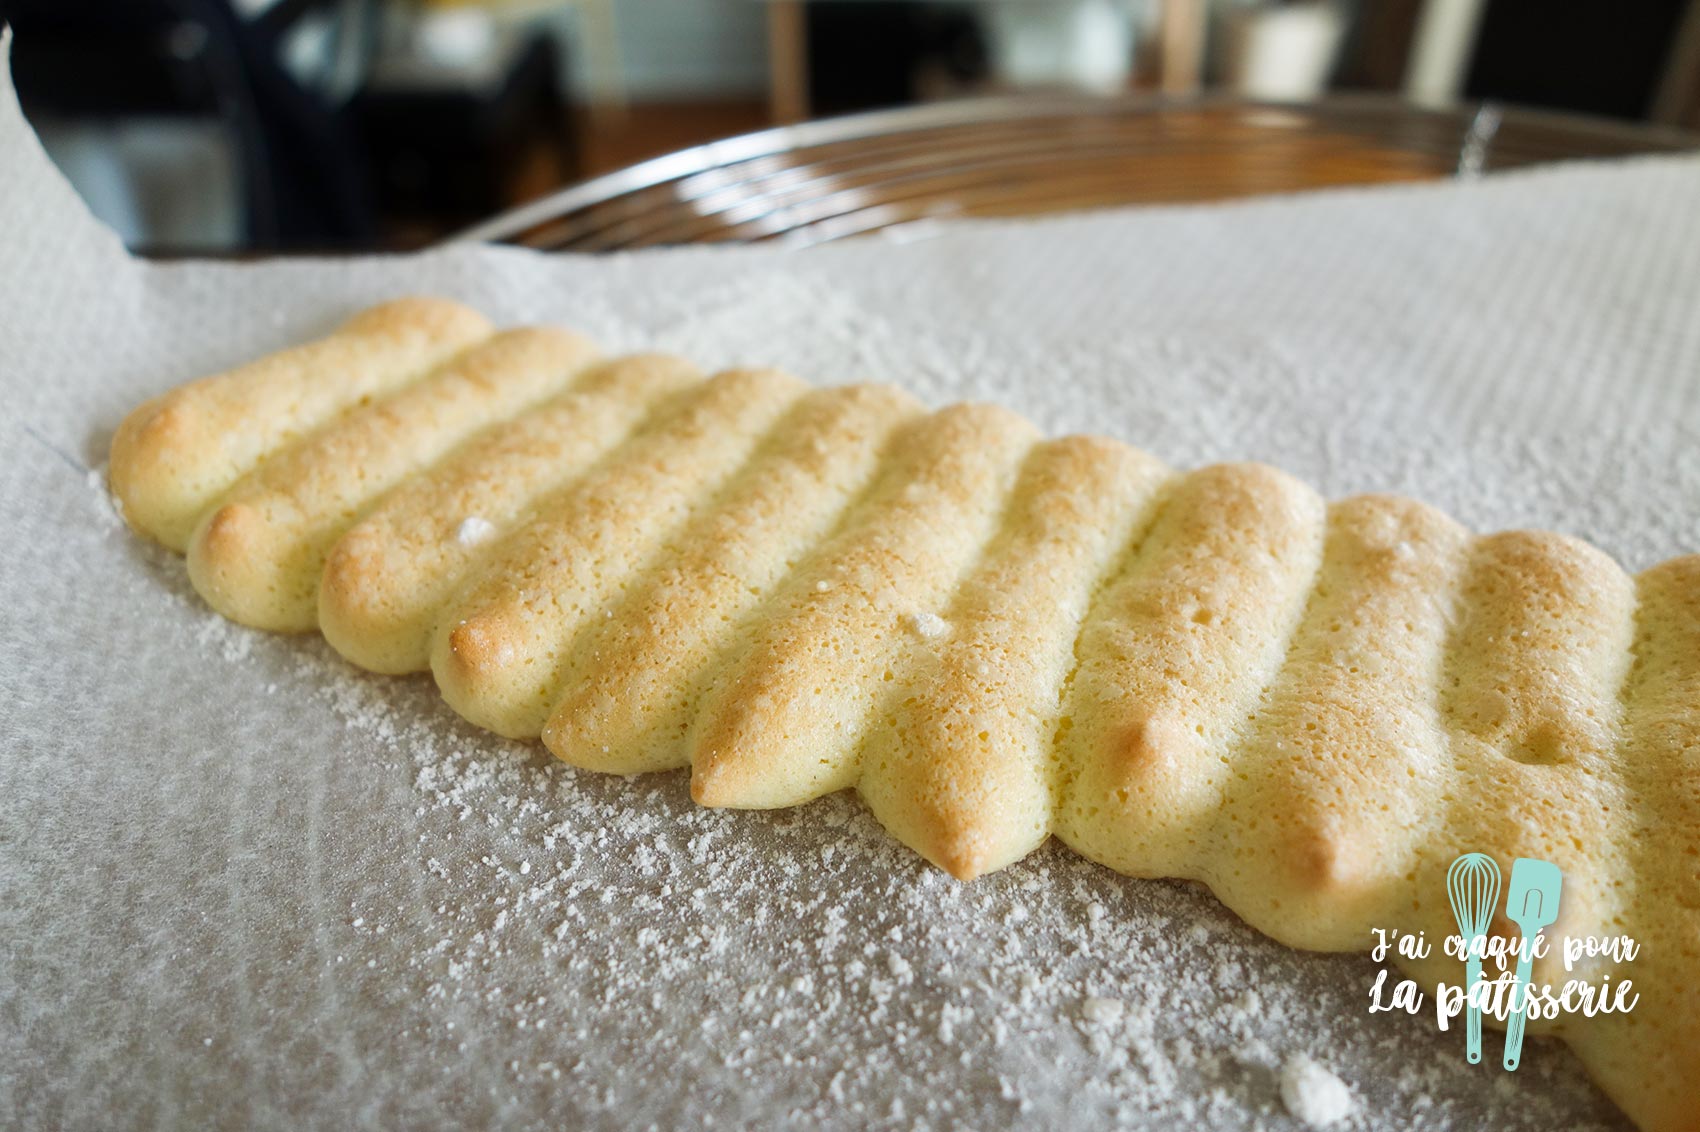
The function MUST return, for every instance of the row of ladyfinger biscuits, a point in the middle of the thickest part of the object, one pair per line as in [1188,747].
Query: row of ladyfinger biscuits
[993,636]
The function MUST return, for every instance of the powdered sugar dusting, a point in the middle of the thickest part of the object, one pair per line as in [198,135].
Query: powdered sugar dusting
[252,886]
[806,955]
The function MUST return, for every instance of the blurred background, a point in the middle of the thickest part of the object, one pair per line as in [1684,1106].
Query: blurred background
[243,126]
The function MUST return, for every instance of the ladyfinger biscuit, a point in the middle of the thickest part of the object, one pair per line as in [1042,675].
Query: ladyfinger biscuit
[1532,701]
[1646,1059]
[504,638]
[387,580]
[785,721]
[631,688]
[1175,658]
[1352,714]
[176,454]
[963,774]
[258,556]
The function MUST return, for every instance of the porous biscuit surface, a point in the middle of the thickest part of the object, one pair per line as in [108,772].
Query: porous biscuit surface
[1311,707]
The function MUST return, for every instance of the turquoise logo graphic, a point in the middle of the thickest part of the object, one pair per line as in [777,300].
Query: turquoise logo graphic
[1531,902]
[1473,886]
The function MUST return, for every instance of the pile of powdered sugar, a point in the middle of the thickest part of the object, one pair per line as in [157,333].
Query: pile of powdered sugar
[1313,1094]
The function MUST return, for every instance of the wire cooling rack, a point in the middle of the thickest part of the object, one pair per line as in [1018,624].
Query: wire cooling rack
[1000,157]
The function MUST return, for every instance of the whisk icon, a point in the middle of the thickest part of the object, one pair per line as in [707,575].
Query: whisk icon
[1472,884]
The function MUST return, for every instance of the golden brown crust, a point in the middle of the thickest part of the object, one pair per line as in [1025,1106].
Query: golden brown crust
[292,509]
[633,686]
[1174,660]
[502,641]
[963,773]
[785,719]
[387,580]
[1350,715]
[175,454]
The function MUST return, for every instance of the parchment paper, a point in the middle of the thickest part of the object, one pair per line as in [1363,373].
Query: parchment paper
[245,886]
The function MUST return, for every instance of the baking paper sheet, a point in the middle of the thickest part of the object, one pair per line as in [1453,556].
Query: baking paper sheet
[243,885]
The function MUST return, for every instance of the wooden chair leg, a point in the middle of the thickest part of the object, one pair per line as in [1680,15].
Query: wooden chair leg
[788,61]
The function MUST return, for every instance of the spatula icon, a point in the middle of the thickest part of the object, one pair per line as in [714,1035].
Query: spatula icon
[1531,902]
